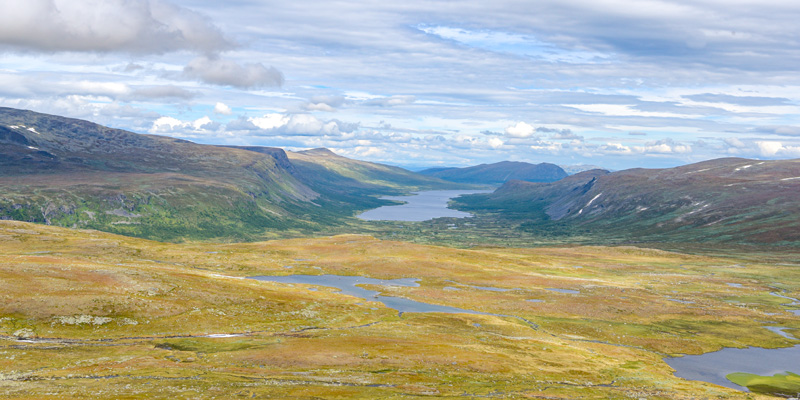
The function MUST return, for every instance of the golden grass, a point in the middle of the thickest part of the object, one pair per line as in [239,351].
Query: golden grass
[117,317]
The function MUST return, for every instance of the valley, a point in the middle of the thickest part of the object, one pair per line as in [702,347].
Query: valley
[142,266]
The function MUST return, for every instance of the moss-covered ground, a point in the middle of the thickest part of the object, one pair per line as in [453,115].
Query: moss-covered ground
[85,314]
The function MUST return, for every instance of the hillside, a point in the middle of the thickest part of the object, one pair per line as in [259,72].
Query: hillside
[91,315]
[74,173]
[725,200]
[499,173]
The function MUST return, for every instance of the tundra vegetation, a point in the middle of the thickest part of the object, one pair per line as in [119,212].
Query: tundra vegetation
[86,314]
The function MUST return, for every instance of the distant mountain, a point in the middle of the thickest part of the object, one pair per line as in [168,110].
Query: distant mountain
[725,200]
[499,173]
[574,169]
[74,173]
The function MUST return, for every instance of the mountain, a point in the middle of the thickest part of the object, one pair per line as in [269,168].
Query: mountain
[574,169]
[726,200]
[74,173]
[499,173]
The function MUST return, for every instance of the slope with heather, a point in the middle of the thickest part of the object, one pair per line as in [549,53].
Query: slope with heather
[73,173]
[726,200]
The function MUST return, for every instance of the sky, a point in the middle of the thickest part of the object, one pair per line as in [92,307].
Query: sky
[613,83]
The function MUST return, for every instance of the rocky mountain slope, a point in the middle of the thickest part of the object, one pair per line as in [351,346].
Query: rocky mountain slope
[727,200]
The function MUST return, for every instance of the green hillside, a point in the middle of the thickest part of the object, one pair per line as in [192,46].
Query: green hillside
[726,200]
[73,173]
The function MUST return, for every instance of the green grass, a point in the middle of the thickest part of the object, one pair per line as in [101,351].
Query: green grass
[787,384]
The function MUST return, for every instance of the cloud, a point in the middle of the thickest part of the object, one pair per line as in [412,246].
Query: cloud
[162,92]
[665,146]
[222,109]
[324,103]
[217,71]
[391,101]
[773,149]
[780,130]
[734,142]
[293,124]
[170,125]
[561,134]
[739,100]
[132,26]
[521,130]
[637,133]
[495,142]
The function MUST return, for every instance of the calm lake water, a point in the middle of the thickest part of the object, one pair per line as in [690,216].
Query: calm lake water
[422,206]
[712,367]
[347,285]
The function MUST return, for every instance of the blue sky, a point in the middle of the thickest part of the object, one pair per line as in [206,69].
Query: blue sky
[613,83]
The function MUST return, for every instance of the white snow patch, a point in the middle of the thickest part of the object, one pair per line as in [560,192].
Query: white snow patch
[589,203]
[14,126]
[789,179]
[33,130]
[33,148]
[743,167]
[592,200]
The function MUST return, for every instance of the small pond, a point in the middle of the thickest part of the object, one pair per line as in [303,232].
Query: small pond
[422,206]
[348,285]
[568,291]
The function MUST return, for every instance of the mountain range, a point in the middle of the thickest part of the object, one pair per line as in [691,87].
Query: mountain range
[74,173]
[724,200]
[77,174]
[499,173]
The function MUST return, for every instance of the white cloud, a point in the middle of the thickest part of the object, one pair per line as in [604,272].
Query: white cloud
[734,142]
[217,71]
[222,109]
[769,148]
[324,103]
[521,130]
[170,125]
[293,124]
[391,101]
[134,26]
[495,142]
[616,149]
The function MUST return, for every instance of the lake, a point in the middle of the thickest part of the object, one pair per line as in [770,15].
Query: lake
[713,367]
[422,206]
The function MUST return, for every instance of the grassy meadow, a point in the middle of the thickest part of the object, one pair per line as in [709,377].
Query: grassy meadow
[86,314]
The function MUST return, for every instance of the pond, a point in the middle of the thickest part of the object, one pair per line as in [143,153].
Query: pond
[348,285]
[713,367]
[422,206]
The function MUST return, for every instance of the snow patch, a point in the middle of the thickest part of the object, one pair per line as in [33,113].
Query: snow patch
[589,203]
[33,130]
[743,167]
[789,179]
